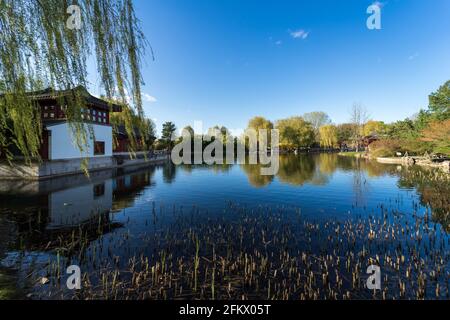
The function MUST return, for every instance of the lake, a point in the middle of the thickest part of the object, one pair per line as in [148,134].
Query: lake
[226,232]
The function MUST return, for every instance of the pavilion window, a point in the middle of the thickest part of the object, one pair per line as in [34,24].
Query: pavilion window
[99,148]
[99,190]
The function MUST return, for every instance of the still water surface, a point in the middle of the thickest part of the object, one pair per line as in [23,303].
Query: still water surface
[115,216]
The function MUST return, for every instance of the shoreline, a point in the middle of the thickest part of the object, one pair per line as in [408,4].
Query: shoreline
[404,161]
[420,161]
[63,168]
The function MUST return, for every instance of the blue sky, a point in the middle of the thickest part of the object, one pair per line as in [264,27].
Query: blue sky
[225,61]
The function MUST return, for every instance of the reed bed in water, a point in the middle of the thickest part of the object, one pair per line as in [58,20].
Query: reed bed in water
[260,253]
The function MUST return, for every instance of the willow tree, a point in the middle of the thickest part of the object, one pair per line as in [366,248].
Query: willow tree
[141,132]
[328,136]
[49,44]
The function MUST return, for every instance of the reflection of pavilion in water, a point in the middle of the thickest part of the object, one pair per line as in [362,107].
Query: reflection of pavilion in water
[51,210]
[72,207]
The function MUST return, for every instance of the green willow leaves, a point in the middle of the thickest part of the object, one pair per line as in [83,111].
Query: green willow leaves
[38,50]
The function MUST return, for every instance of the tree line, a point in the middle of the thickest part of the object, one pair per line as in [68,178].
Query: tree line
[427,131]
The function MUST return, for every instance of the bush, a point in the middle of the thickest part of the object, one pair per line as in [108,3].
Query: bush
[389,147]
[159,145]
[385,148]
[417,147]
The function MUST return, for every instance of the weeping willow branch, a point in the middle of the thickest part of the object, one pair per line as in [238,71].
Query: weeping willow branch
[38,50]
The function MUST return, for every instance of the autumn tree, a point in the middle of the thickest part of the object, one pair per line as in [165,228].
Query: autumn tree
[317,120]
[135,127]
[374,128]
[345,133]
[257,123]
[438,135]
[188,130]
[359,117]
[295,132]
[222,130]
[328,136]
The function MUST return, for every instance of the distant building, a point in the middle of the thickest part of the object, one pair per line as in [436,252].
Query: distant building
[122,141]
[59,150]
[367,140]
[57,140]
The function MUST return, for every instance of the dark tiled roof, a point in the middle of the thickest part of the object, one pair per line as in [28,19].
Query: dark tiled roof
[121,130]
[51,94]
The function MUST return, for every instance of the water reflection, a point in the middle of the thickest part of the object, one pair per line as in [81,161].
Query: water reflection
[46,216]
[254,176]
[46,213]
[126,188]
[433,187]
[316,169]
[169,172]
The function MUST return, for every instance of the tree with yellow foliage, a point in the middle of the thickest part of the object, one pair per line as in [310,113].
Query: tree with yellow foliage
[328,136]
[373,127]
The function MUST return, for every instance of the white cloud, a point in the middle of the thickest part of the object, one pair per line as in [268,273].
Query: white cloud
[118,97]
[279,42]
[148,97]
[299,34]
[129,99]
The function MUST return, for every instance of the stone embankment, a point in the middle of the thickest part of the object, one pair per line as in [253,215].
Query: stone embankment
[420,161]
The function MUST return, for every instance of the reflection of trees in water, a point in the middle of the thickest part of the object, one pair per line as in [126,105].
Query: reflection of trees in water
[127,187]
[376,169]
[346,163]
[169,172]
[296,170]
[360,185]
[373,168]
[217,168]
[187,167]
[318,170]
[433,187]
[362,169]
[326,165]
[253,172]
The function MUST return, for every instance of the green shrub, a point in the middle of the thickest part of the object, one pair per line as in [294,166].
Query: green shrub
[389,147]
[385,148]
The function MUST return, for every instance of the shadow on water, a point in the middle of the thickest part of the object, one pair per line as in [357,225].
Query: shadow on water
[118,226]
[46,216]
[433,188]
